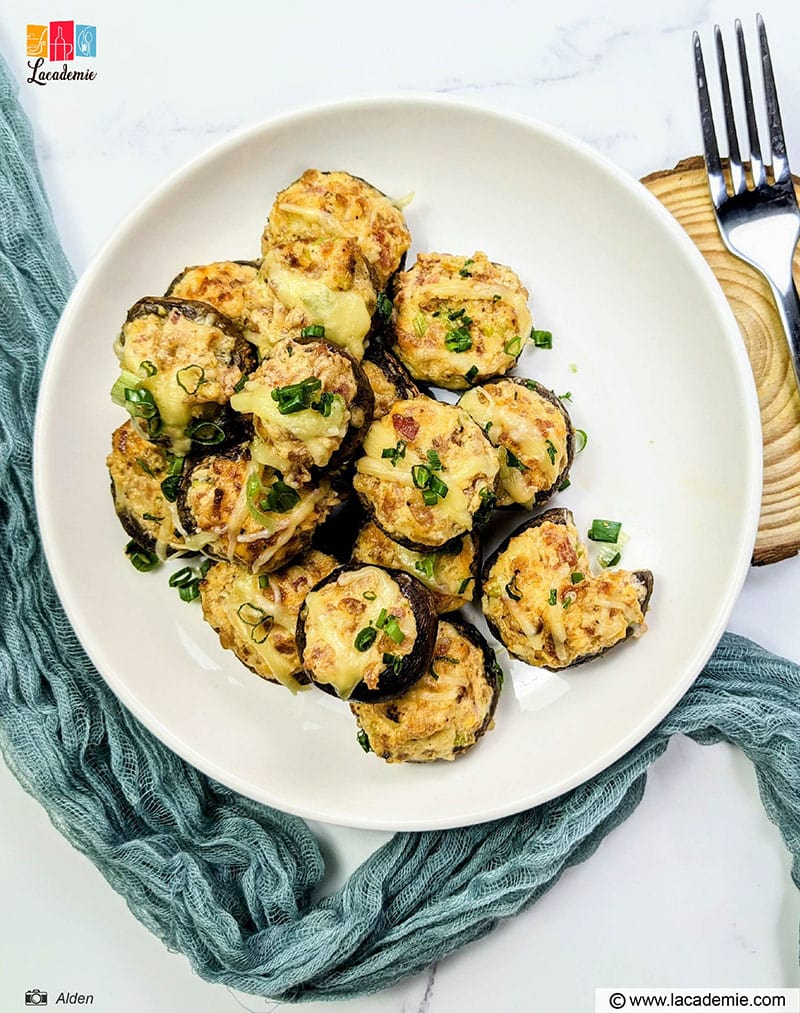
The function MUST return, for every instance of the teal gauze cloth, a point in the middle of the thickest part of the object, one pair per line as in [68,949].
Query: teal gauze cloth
[224,880]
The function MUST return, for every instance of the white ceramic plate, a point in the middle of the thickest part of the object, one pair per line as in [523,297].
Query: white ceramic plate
[642,338]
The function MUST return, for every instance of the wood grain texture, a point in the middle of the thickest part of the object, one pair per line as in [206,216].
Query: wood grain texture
[684,192]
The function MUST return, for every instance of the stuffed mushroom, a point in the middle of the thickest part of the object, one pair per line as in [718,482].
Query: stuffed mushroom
[446,712]
[533,433]
[459,320]
[181,362]
[141,476]
[310,405]
[366,633]
[336,204]
[246,512]
[428,473]
[542,601]
[449,573]
[255,615]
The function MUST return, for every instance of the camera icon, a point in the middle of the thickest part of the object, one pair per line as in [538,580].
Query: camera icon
[35,997]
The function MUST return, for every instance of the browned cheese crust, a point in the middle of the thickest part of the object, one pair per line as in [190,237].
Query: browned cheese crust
[336,204]
[389,486]
[137,469]
[449,574]
[255,616]
[459,320]
[542,601]
[442,715]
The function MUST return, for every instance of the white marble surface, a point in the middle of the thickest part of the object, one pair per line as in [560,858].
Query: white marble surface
[694,888]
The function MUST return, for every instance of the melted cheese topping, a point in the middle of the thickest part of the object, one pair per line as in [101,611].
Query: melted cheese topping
[172,342]
[528,425]
[338,612]
[441,715]
[564,613]
[320,434]
[258,623]
[468,466]
[343,314]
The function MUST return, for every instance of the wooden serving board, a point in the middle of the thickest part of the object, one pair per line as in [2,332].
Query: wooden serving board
[684,192]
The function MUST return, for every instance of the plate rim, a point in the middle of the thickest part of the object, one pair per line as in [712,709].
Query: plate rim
[749,419]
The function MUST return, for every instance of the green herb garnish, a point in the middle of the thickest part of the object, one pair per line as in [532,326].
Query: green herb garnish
[551,450]
[363,741]
[471,373]
[441,659]
[395,453]
[170,485]
[464,272]
[142,559]
[513,461]
[513,346]
[384,307]
[148,367]
[296,397]
[145,467]
[552,596]
[312,331]
[605,531]
[281,498]
[542,339]
[458,340]
[581,439]
[191,378]
[426,565]
[576,577]
[365,638]
[462,587]
[207,434]
[141,405]
[434,460]
[512,590]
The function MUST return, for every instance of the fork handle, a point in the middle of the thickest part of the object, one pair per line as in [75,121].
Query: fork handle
[787,302]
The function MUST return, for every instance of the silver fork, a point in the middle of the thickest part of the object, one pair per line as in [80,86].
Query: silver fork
[755,204]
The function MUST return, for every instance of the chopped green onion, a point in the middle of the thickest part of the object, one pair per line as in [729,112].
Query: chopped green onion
[125,381]
[462,587]
[513,461]
[566,396]
[383,616]
[605,531]
[438,486]
[240,383]
[384,307]
[369,596]
[263,581]
[171,484]
[145,467]
[206,565]
[313,331]
[295,397]
[542,339]
[458,340]
[581,439]
[393,631]
[261,631]
[429,497]
[551,450]
[141,405]
[365,638]
[190,591]
[191,378]
[394,662]
[514,345]
[552,596]
[471,373]
[280,499]
[148,367]
[250,614]
[608,557]
[576,577]
[421,476]
[512,590]
[459,315]
[395,453]
[532,385]
[152,517]
[363,741]
[434,460]
[464,272]
[426,565]
[564,485]
[207,434]
[496,297]
[325,404]
[568,600]
[486,507]
[143,559]
[181,577]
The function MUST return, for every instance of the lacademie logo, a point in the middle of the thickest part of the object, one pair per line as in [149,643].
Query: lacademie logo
[60,42]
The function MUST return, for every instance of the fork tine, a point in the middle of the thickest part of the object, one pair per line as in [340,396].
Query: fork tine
[780,164]
[756,162]
[716,179]
[734,158]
